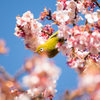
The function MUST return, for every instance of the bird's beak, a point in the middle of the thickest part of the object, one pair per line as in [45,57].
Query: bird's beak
[35,51]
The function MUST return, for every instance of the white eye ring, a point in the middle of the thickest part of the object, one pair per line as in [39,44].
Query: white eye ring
[41,49]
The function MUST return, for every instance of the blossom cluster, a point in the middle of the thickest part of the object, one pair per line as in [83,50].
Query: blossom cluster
[82,41]
[90,80]
[81,47]
[30,30]
[3,49]
[88,83]
[66,12]
[79,40]
[42,77]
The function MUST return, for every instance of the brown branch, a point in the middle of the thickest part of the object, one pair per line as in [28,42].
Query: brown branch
[87,56]
[5,77]
[75,15]
[51,98]
[97,3]
[86,22]
[5,74]
[47,32]
[19,73]
[76,0]
[49,17]
[73,95]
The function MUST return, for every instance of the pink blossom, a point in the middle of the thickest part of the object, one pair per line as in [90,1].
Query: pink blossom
[36,27]
[60,6]
[61,16]
[90,80]
[63,31]
[50,92]
[42,77]
[71,14]
[23,96]
[71,4]
[64,49]
[91,17]
[76,63]
[78,18]
[32,43]
[81,54]
[3,48]
[30,29]
[93,42]
[34,92]
[48,29]
[80,6]
[80,40]
[72,63]
[28,16]
[96,95]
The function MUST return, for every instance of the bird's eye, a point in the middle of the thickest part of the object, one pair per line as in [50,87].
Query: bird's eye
[41,49]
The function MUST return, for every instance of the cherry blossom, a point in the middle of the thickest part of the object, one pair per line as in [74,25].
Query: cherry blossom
[80,41]
[81,47]
[80,6]
[34,92]
[30,29]
[64,49]
[61,16]
[42,77]
[60,6]
[71,4]
[93,42]
[22,96]
[3,49]
[63,31]
[92,17]
[96,96]
[90,81]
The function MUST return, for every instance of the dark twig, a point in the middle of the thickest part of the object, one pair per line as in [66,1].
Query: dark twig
[5,74]
[49,17]
[87,56]
[86,22]
[49,34]
[97,3]
[51,98]
[75,16]
[19,73]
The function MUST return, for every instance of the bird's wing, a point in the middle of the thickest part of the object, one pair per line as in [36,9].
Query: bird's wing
[54,35]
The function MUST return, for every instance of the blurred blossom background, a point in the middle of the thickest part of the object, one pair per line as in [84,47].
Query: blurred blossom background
[17,54]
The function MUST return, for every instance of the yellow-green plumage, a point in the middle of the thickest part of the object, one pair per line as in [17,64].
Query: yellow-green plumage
[48,47]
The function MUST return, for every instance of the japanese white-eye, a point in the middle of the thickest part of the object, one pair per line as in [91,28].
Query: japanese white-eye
[49,47]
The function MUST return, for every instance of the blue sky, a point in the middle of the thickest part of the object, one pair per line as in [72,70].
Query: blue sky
[12,61]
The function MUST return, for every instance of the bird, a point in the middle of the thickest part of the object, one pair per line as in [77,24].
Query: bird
[49,49]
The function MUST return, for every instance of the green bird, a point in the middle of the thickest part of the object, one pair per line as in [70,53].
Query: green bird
[49,47]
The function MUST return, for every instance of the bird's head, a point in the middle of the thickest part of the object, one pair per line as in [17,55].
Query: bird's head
[41,50]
